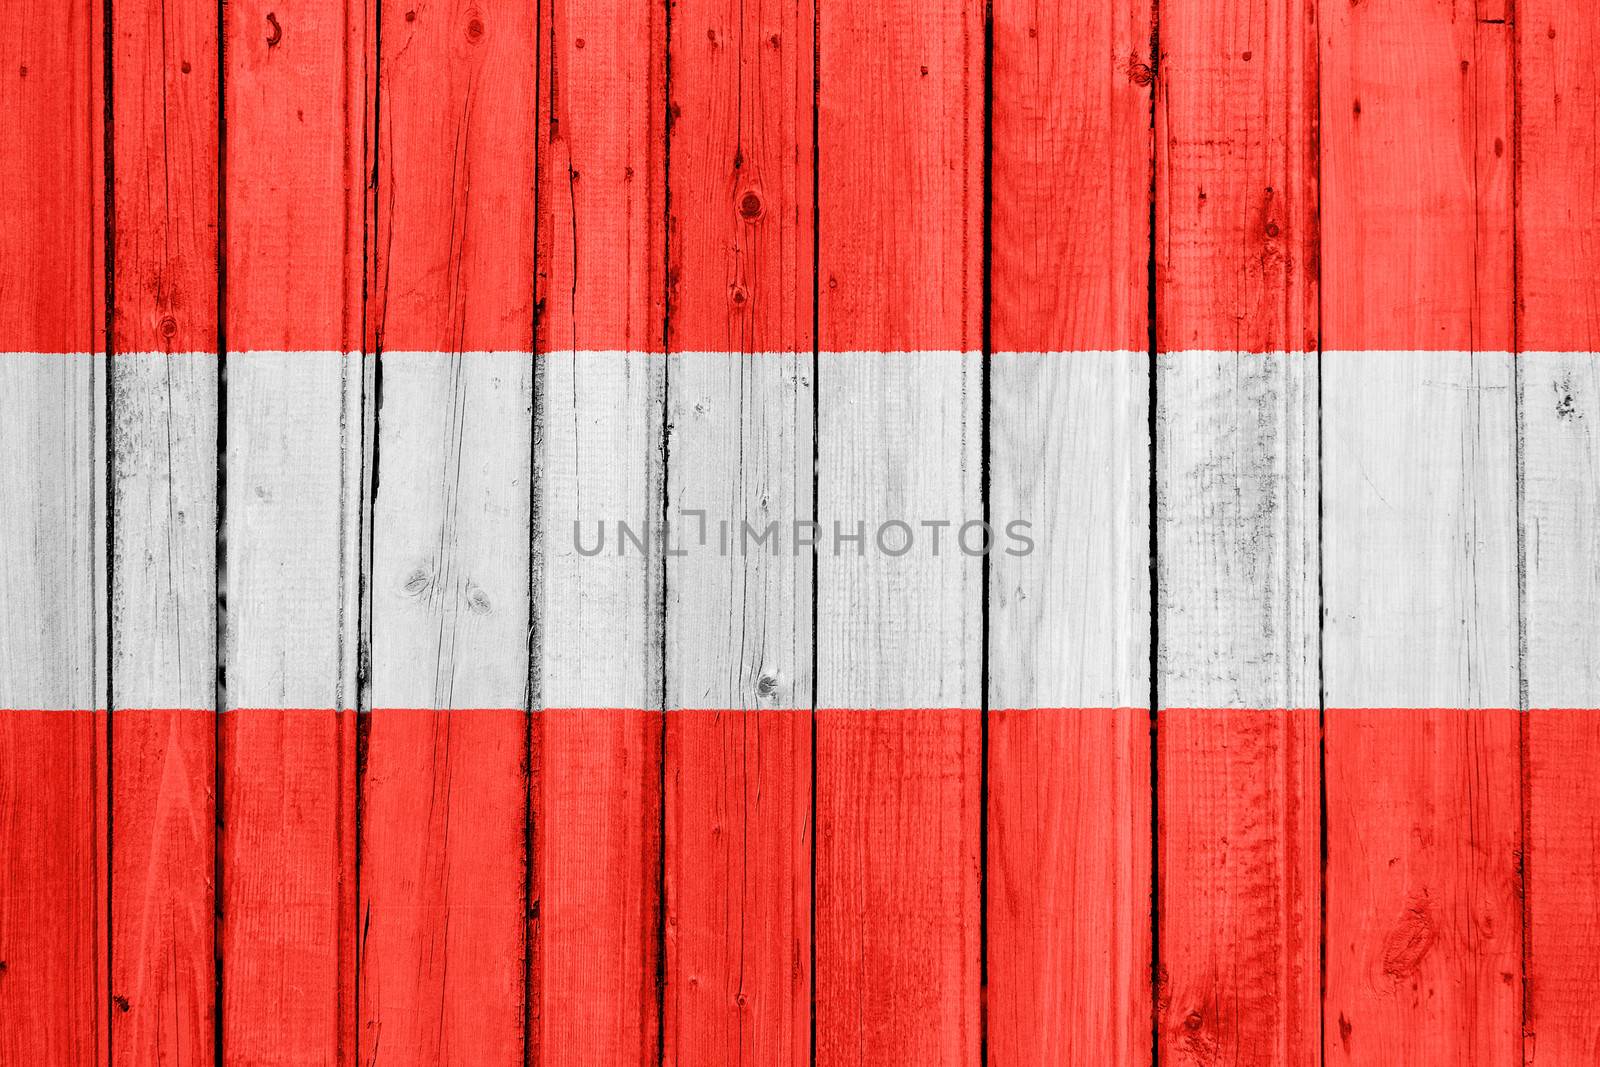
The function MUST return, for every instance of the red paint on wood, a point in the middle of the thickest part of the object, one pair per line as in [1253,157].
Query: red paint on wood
[897,918]
[53,982]
[288,885]
[1069,886]
[738,881]
[1070,177]
[1423,917]
[1240,861]
[597,795]
[54,979]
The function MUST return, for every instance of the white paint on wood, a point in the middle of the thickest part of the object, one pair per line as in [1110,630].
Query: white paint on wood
[292,528]
[164,546]
[900,440]
[1236,512]
[451,529]
[1560,412]
[600,463]
[52,530]
[1069,440]
[738,612]
[1419,535]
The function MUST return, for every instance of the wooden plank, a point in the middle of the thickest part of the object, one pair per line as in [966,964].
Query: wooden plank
[1558,383]
[900,395]
[1069,651]
[297,110]
[737,873]
[163,547]
[54,993]
[1239,842]
[444,785]
[1424,946]
[594,992]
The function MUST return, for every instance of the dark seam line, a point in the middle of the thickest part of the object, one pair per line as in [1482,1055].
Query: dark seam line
[1322,600]
[1520,459]
[364,522]
[661,590]
[1156,977]
[816,483]
[532,689]
[985,568]
[220,545]
[108,208]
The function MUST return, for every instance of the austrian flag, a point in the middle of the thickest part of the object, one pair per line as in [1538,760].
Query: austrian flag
[810,533]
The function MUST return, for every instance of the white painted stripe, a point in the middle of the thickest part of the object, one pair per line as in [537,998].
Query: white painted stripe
[1419,536]
[600,462]
[1070,456]
[294,496]
[52,530]
[451,529]
[1560,424]
[900,441]
[1236,463]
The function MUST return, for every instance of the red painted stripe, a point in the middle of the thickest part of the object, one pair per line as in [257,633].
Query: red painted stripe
[1069,885]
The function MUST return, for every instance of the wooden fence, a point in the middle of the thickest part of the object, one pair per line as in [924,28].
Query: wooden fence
[1269,325]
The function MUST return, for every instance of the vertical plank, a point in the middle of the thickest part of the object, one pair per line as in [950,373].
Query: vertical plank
[898,747]
[1558,385]
[163,547]
[444,784]
[1424,946]
[53,960]
[600,392]
[1239,842]
[737,872]
[296,113]
[1069,741]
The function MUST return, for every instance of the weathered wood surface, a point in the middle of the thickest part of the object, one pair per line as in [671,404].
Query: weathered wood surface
[1423,888]
[444,789]
[1236,459]
[738,625]
[163,450]
[1068,857]
[298,103]
[54,992]
[1273,319]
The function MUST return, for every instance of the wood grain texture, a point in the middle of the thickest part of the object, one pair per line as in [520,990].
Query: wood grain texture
[1236,489]
[1069,736]
[298,109]
[738,829]
[595,995]
[163,393]
[900,395]
[1424,921]
[444,786]
[1558,383]
[54,993]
